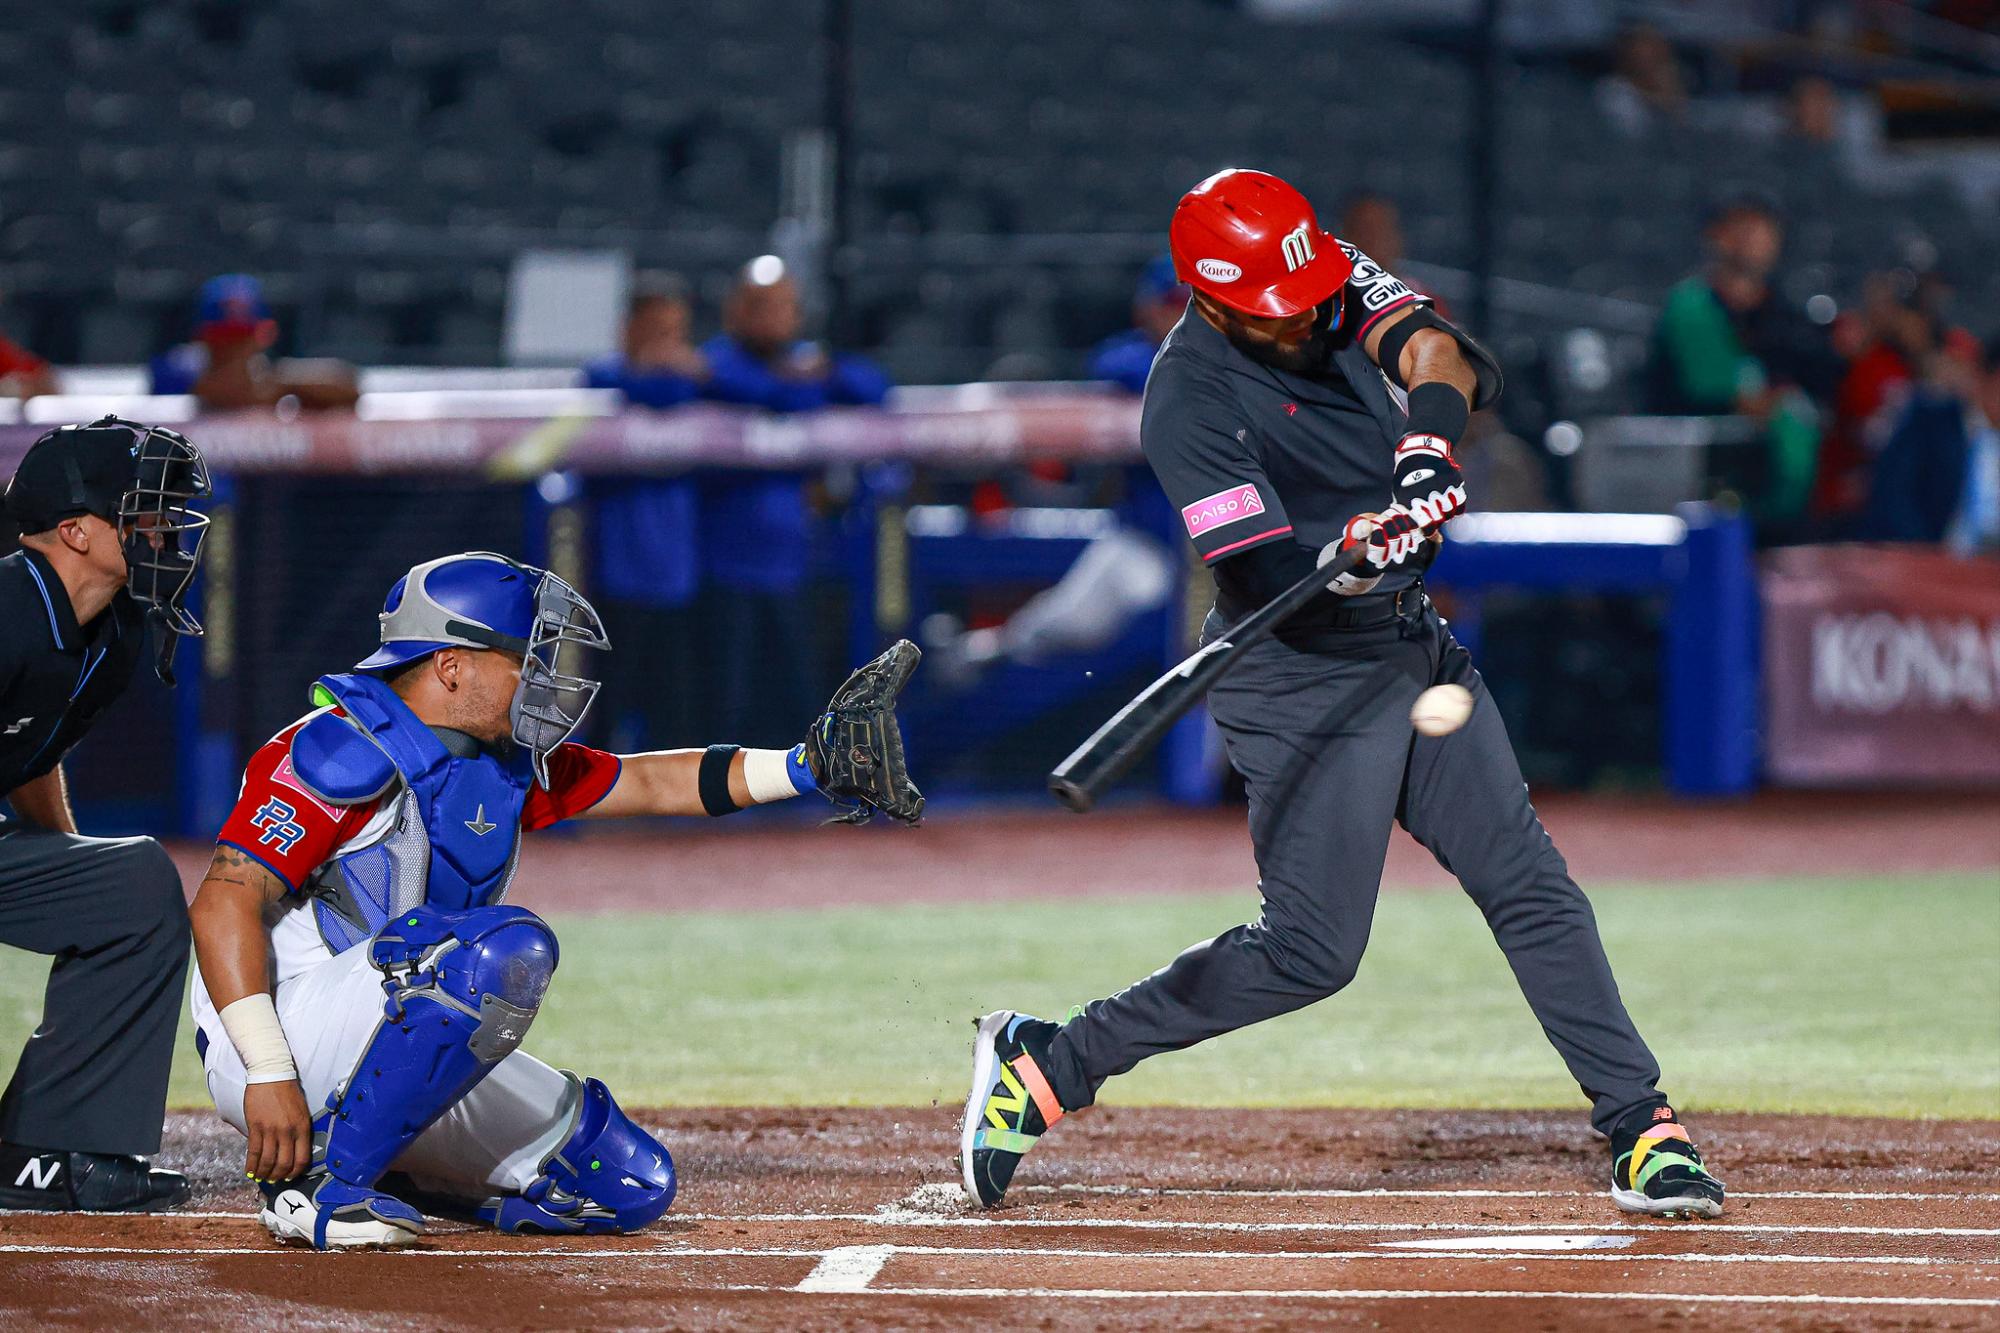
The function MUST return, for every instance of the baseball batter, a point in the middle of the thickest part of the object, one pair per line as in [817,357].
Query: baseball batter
[362,988]
[1309,401]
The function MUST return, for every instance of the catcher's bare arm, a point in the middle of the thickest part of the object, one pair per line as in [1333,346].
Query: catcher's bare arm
[666,782]
[853,756]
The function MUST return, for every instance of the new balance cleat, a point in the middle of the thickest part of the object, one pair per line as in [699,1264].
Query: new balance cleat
[330,1214]
[1011,1106]
[1656,1169]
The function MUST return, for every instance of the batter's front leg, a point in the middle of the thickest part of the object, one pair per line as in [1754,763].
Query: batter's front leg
[1464,800]
[1321,740]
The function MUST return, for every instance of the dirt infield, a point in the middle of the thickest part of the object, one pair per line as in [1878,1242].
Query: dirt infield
[1128,1218]
[1039,852]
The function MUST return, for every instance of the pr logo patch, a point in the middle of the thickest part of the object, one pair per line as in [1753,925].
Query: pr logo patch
[1239,501]
[279,824]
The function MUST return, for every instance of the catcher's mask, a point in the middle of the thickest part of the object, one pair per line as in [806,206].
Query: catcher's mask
[143,480]
[483,600]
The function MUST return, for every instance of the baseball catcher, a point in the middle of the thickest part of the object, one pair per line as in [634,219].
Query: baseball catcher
[362,987]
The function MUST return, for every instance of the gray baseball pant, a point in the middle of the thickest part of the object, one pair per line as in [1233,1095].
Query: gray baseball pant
[1322,737]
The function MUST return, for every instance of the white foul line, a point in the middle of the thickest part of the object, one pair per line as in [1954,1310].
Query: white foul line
[904,1218]
[1657,1297]
[1176,1192]
[849,1268]
[570,1253]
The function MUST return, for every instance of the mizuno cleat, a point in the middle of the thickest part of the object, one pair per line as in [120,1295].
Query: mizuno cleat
[330,1214]
[1655,1169]
[1011,1104]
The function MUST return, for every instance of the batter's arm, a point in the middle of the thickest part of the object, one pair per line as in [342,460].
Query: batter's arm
[234,954]
[1427,355]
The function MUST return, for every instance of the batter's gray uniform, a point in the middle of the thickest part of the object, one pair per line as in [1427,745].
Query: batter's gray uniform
[1317,722]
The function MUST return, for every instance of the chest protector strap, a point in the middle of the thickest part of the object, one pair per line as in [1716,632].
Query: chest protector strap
[457,820]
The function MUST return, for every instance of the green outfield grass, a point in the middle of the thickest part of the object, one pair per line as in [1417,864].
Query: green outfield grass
[1877,996]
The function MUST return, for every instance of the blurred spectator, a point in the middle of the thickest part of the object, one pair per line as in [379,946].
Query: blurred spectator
[1372,224]
[1126,358]
[1646,84]
[659,365]
[22,373]
[1728,344]
[759,548]
[1812,111]
[649,537]
[1895,340]
[228,366]
[1938,477]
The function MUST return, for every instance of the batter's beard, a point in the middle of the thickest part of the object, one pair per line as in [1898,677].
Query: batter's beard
[1313,356]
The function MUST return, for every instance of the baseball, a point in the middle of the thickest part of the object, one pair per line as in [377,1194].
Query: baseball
[1441,709]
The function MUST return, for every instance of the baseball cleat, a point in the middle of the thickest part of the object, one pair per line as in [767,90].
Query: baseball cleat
[1011,1105]
[1656,1170]
[330,1214]
[57,1180]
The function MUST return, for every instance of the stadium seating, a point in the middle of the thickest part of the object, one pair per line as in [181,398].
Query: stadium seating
[426,141]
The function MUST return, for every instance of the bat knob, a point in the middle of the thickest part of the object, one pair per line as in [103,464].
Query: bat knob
[1070,794]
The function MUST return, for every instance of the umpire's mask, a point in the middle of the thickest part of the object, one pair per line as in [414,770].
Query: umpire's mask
[144,480]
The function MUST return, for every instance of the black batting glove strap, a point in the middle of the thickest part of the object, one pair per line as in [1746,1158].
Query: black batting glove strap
[1428,481]
[1392,538]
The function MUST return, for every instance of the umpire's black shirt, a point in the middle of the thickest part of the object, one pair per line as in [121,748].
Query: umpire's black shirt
[1251,454]
[56,676]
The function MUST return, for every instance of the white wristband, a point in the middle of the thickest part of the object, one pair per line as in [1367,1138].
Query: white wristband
[767,773]
[253,1028]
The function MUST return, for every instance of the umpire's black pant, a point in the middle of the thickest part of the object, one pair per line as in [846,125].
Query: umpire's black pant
[1321,734]
[93,1077]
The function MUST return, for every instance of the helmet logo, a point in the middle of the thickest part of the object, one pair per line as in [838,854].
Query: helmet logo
[1217,270]
[1298,248]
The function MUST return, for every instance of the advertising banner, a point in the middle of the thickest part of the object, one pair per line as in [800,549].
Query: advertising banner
[1881,666]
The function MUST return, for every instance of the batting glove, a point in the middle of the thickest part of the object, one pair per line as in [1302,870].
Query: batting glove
[1389,540]
[1428,481]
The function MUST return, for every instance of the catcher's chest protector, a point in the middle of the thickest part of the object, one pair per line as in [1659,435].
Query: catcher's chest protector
[456,833]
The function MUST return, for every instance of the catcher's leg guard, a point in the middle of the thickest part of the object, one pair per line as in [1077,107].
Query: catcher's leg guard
[462,989]
[609,1175]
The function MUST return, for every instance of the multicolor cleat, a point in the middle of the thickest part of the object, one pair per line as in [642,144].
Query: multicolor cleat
[1655,1169]
[1012,1104]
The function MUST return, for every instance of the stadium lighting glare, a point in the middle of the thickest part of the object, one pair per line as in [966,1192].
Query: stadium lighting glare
[765,270]
[1564,529]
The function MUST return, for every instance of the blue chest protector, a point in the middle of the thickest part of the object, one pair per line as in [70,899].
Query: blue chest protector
[457,829]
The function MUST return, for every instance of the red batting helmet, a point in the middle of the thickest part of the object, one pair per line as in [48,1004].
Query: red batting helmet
[1251,241]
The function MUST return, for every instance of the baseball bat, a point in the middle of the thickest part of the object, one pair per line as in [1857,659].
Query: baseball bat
[1134,729]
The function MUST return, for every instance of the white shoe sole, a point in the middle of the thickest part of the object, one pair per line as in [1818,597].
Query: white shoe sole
[984,1059]
[1632,1201]
[296,1228]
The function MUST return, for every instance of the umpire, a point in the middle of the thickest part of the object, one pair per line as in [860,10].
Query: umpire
[1308,402]
[108,547]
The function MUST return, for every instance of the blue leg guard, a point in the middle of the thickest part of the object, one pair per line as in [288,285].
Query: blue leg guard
[462,989]
[609,1175]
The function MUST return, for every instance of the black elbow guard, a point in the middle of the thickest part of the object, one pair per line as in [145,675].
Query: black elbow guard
[1485,370]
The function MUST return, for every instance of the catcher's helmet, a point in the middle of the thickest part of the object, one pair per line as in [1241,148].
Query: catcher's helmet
[483,600]
[1251,241]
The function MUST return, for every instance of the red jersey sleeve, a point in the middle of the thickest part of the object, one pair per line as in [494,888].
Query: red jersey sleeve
[579,777]
[280,824]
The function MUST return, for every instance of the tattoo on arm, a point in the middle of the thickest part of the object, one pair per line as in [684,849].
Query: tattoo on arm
[232,866]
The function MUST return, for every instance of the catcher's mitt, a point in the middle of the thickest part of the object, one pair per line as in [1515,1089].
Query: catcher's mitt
[855,750]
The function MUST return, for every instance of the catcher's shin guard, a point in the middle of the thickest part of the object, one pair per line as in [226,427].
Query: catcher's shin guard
[609,1175]
[462,989]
